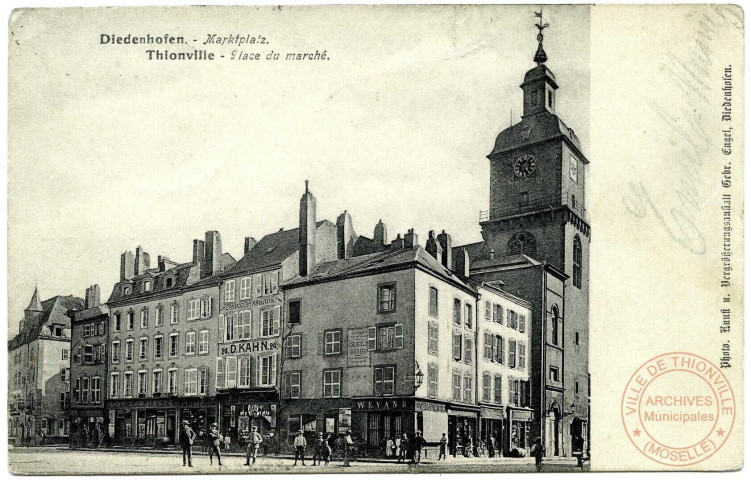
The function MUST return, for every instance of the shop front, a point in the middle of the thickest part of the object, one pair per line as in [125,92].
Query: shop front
[518,426]
[239,411]
[89,427]
[377,419]
[463,434]
[491,430]
[156,422]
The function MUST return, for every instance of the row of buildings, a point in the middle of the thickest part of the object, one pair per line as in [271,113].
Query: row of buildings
[320,329]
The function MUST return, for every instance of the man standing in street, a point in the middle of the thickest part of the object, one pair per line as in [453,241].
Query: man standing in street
[253,443]
[215,440]
[187,436]
[419,443]
[538,451]
[300,445]
[348,448]
[444,443]
[318,449]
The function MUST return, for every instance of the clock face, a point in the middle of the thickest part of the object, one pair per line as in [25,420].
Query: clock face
[524,166]
[573,169]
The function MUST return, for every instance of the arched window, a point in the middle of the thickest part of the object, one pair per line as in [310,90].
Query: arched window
[555,320]
[522,243]
[577,262]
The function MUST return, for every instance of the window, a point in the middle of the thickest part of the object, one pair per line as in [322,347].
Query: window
[203,381]
[145,317]
[513,391]
[522,363]
[87,331]
[173,344]
[130,320]
[498,349]
[522,243]
[457,386]
[522,323]
[245,289]
[270,322]
[488,311]
[554,325]
[576,388]
[467,388]
[576,338]
[126,289]
[116,351]
[229,291]
[142,383]
[174,315]
[156,384]
[498,389]
[169,282]
[432,380]
[457,311]
[230,328]
[191,381]
[550,99]
[84,390]
[63,402]
[456,346]
[96,390]
[332,383]
[497,313]
[100,328]
[77,390]
[577,262]
[129,350]
[64,374]
[487,351]
[554,374]
[203,342]
[172,381]
[294,385]
[468,348]
[159,316]
[294,346]
[433,302]
[486,387]
[270,283]
[88,354]
[190,343]
[266,375]
[144,348]
[243,379]
[468,313]
[433,337]
[158,347]
[146,286]
[511,319]
[333,342]
[383,381]
[294,311]
[207,305]
[128,384]
[194,309]
[387,337]
[512,353]
[386,298]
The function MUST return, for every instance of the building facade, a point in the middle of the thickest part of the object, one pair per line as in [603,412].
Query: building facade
[88,371]
[38,369]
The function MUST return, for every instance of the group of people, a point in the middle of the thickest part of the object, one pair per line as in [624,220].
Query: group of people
[409,447]
[323,447]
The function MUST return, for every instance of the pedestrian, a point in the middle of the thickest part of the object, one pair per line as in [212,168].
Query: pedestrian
[403,447]
[318,449]
[187,437]
[419,443]
[577,447]
[300,445]
[327,450]
[491,447]
[444,443]
[254,442]
[538,451]
[215,441]
[393,445]
[227,442]
[349,445]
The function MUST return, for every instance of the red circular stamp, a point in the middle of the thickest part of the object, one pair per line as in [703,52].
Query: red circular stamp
[678,409]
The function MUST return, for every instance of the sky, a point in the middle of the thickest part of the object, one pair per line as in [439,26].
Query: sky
[109,151]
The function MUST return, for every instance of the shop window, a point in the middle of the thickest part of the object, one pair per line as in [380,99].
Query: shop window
[433,302]
[294,312]
[386,298]
[332,383]
[383,380]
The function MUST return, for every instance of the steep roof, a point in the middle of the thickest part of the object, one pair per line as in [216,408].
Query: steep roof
[475,251]
[53,311]
[180,272]
[376,262]
[533,129]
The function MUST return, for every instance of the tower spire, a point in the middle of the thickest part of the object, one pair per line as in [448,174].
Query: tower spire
[540,57]
[35,305]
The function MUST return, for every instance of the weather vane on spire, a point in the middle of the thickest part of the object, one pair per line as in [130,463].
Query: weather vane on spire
[540,57]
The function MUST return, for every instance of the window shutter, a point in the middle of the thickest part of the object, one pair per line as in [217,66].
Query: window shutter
[211,306]
[399,336]
[372,344]
[273,369]
[277,319]
[222,328]
[287,347]
[259,286]
[220,378]
[231,372]
[275,282]
[286,385]
[301,344]
[252,371]
[320,342]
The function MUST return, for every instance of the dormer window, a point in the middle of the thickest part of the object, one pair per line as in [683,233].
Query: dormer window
[169,282]
[146,286]
[126,289]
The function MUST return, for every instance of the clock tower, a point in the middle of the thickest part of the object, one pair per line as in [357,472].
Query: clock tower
[538,174]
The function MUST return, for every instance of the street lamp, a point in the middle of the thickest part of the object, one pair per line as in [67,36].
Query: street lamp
[419,376]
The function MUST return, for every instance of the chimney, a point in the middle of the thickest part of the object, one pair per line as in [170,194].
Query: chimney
[380,235]
[307,233]
[461,263]
[142,261]
[92,296]
[410,239]
[250,242]
[445,240]
[398,242]
[345,236]
[492,254]
[198,251]
[212,254]
[433,247]
[127,265]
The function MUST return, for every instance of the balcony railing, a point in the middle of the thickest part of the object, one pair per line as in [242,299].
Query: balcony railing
[530,204]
